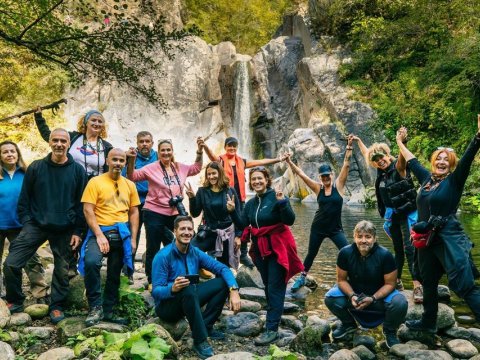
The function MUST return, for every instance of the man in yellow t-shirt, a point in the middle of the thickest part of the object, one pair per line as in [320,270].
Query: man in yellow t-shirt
[110,206]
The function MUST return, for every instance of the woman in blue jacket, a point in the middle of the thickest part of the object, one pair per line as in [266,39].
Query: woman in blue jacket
[12,172]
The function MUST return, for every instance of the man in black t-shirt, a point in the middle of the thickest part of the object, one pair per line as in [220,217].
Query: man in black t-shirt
[366,275]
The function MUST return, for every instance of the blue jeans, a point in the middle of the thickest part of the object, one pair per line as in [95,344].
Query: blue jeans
[158,230]
[273,277]
[93,281]
[189,301]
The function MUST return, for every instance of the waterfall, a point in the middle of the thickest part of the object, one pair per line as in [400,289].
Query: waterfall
[242,109]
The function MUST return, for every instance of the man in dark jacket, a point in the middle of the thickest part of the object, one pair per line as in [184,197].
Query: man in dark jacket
[49,208]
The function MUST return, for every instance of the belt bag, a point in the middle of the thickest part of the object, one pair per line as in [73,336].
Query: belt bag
[421,241]
[113,236]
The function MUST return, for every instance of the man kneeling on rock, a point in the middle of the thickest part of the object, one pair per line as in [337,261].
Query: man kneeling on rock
[176,293]
[365,290]
[110,206]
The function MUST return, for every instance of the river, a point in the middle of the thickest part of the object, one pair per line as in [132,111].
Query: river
[323,268]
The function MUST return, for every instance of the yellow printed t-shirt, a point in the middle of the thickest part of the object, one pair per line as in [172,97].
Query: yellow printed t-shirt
[111,208]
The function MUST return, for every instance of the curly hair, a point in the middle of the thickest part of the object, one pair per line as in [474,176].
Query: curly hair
[82,127]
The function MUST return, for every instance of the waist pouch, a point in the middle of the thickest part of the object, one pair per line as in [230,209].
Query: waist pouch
[113,236]
[421,241]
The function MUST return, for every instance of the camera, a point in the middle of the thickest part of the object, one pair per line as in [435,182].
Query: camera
[176,201]
[202,231]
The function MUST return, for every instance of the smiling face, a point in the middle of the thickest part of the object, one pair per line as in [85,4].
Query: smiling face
[231,149]
[441,165]
[8,155]
[144,145]
[326,180]
[258,182]
[381,162]
[165,152]
[59,143]
[364,241]
[116,162]
[183,233]
[95,124]
[212,176]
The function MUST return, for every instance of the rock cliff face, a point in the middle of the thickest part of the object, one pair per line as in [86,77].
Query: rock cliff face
[286,97]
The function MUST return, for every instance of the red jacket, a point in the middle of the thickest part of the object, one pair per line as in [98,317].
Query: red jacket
[281,244]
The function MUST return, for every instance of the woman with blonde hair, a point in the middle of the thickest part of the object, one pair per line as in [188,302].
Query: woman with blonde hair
[88,146]
[12,172]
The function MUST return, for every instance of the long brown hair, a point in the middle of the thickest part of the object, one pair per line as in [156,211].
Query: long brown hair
[223,181]
[20,162]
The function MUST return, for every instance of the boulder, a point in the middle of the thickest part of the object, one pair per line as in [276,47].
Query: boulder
[458,333]
[401,350]
[37,311]
[20,319]
[289,308]
[253,294]
[443,293]
[247,277]
[6,351]
[300,294]
[462,349]
[70,327]
[176,329]
[315,320]
[405,334]
[445,316]
[428,355]
[243,324]
[4,314]
[285,337]
[40,332]
[62,353]
[365,340]
[249,306]
[75,297]
[475,334]
[308,341]
[344,354]
[162,333]
[291,322]
[102,326]
[364,353]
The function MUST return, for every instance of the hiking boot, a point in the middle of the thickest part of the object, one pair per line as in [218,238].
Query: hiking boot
[299,282]
[399,286]
[44,300]
[216,334]
[390,337]
[266,338]
[343,330]
[15,308]
[56,316]
[203,350]
[95,315]
[130,280]
[417,325]
[418,295]
[110,316]
[246,261]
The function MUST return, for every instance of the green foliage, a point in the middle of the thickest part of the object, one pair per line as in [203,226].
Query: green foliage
[247,24]
[132,304]
[72,35]
[276,353]
[416,62]
[22,346]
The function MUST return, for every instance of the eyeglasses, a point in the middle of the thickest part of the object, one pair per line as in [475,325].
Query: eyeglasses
[162,141]
[116,189]
[445,148]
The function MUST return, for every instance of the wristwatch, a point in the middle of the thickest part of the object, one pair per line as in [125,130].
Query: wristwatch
[232,288]
[374,299]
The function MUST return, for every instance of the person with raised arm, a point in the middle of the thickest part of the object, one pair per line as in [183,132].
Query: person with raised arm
[327,222]
[442,244]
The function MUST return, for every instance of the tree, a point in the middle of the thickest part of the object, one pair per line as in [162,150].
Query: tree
[101,38]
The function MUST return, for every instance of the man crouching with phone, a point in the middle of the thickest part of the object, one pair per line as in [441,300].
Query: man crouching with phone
[174,274]
[365,290]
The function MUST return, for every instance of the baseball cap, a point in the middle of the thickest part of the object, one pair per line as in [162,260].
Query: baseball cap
[377,155]
[325,169]
[231,140]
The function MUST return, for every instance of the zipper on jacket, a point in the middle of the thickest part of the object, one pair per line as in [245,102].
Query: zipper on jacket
[258,209]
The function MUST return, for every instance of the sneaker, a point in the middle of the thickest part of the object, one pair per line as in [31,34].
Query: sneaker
[56,316]
[246,261]
[343,330]
[390,337]
[44,300]
[15,308]
[418,295]
[203,350]
[130,280]
[399,285]
[95,315]
[417,325]
[114,318]
[216,334]
[266,338]
[299,282]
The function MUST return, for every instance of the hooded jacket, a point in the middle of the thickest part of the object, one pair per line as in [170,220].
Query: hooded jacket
[51,195]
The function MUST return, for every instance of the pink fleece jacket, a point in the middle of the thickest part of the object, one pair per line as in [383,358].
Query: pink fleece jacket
[158,190]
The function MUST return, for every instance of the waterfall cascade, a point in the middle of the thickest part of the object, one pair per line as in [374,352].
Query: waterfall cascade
[243,108]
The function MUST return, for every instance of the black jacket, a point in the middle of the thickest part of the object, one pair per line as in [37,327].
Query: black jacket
[51,195]
[74,135]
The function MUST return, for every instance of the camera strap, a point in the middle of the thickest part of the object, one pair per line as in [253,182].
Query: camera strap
[86,144]
[167,177]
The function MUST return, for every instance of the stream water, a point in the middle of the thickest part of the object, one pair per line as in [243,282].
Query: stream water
[323,268]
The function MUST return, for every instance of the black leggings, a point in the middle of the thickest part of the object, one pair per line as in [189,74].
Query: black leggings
[403,247]
[316,240]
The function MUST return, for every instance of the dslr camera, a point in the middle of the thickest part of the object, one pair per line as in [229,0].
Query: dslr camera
[176,202]
[202,231]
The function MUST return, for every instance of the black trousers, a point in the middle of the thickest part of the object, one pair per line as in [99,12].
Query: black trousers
[402,246]
[22,249]
[316,240]
[93,281]
[159,230]
[189,301]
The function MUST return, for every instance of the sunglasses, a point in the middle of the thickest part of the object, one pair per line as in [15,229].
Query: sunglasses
[258,168]
[445,148]
[116,189]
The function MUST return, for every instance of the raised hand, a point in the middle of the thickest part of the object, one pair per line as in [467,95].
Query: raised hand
[131,153]
[189,190]
[200,144]
[402,134]
[478,124]
[350,139]
[230,203]
[279,193]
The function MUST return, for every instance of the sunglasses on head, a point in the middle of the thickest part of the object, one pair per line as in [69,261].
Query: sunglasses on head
[258,168]
[445,148]
[162,141]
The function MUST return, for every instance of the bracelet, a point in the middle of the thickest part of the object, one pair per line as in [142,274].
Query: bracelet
[374,299]
[351,296]
[349,148]
[199,152]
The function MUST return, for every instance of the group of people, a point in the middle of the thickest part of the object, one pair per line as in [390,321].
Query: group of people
[89,200]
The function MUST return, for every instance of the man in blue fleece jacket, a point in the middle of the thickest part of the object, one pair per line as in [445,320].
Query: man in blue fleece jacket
[175,297]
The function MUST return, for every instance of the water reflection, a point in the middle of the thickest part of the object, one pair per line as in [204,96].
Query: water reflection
[323,268]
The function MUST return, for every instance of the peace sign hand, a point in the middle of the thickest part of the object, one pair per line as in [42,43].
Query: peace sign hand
[230,203]
[279,193]
[189,190]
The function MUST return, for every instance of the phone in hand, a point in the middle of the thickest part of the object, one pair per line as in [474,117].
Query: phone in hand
[194,278]
[360,298]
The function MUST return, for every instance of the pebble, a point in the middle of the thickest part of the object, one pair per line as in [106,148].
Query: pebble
[250,306]
[243,324]
[62,353]
[20,319]
[366,340]
[37,311]
[428,355]
[291,322]
[39,332]
[344,354]
[363,352]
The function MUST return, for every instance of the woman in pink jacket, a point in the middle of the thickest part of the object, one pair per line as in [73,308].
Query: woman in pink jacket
[166,180]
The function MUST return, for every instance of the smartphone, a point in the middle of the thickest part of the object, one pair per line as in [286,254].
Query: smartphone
[360,298]
[194,278]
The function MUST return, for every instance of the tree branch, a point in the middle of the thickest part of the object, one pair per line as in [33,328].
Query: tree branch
[37,20]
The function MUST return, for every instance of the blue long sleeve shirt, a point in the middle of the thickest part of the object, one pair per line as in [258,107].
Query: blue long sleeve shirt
[170,263]
[9,193]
